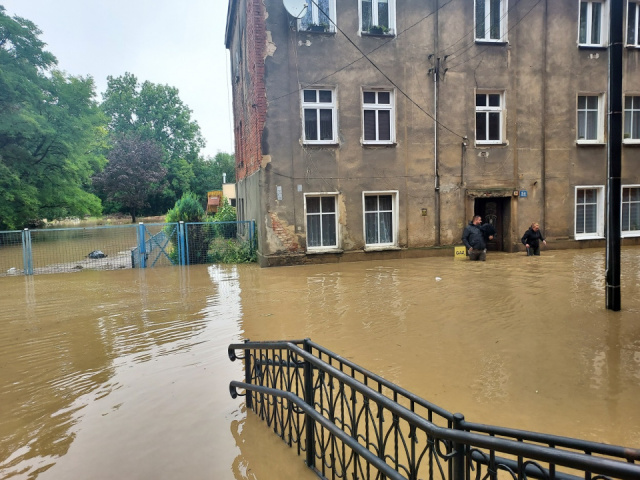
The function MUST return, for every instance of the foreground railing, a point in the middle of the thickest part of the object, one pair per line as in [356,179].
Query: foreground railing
[351,423]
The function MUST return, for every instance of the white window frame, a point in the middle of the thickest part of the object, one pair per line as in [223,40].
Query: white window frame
[314,14]
[600,120]
[487,110]
[631,119]
[599,233]
[374,16]
[317,105]
[604,23]
[628,233]
[633,25]
[378,107]
[486,37]
[322,248]
[394,220]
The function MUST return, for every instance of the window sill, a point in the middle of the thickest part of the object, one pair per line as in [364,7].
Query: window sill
[490,144]
[321,145]
[589,237]
[491,42]
[632,234]
[631,143]
[380,35]
[324,250]
[373,248]
[379,145]
[591,47]
[586,143]
[318,32]
[632,47]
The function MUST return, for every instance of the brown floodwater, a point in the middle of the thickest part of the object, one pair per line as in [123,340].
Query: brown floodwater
[125,374]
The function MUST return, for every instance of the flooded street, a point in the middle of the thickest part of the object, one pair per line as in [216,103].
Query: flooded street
[125,374]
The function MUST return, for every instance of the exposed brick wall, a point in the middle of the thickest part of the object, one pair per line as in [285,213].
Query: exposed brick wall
[284,235]
[249,94]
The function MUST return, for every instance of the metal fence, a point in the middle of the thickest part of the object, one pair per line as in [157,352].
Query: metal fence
[351,423]
[60,250]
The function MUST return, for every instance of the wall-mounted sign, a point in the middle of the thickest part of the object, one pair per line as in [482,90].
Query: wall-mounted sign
[523,193]
[278,192]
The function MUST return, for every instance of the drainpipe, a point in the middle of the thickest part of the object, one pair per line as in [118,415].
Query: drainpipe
[436,182]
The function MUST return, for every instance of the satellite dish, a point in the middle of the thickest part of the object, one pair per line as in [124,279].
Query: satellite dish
[296,8]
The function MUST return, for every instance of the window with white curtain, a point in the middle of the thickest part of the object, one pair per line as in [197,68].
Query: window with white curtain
[590,119]
[631,210]
[380,218]
[592,26]
[631,119]
[377,16]
[633,24]
[589,212]
[322,221]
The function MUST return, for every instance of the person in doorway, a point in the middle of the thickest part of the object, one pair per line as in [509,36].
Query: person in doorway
[531,239]
[475,238]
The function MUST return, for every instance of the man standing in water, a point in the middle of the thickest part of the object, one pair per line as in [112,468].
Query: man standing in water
[474,239]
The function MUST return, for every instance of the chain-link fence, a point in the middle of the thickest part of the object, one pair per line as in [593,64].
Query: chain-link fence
[58,250]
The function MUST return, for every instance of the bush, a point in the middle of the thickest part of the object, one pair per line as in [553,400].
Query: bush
[188,209]
[226,213]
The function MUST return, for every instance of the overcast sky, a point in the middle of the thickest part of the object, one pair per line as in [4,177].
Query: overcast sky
[168,42]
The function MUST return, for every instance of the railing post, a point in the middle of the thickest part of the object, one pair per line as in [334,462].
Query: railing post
[142,246]
[308,398]
[247,375]
[27,254]
[458,450]
[181,245]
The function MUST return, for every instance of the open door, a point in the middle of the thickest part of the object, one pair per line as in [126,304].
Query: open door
[492,211]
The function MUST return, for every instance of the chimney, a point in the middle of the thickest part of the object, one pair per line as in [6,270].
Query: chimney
[224,177]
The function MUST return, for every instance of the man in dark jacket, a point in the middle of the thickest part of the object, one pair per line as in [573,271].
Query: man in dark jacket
[475,239]
[531,239]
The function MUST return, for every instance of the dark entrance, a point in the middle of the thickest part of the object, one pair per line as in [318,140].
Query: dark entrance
[492,211]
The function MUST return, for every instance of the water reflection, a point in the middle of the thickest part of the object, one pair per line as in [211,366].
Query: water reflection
[125,373]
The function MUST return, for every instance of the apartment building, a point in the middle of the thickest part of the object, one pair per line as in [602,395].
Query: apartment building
[378,128]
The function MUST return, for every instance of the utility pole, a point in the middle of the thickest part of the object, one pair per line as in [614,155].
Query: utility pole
[614,156]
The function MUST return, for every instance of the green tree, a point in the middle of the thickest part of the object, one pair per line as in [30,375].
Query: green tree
[199,234]
[133,174]
[156,112]
[208,173]
[51,132]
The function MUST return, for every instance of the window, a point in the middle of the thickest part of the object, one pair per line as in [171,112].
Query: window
[322,221]
[631,210]
[377,16]
[319,116]
[320,16]
[378,117]
[592,25]
[633,24]
[491,20]
[631,119]
[589,212]
[489,119]
[590,119]
[379,219]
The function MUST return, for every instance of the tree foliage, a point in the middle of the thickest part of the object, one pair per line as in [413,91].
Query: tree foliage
[208,173]
[51,131]
[156,112]
[133,174]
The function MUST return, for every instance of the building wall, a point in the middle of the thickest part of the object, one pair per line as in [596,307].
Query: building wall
[539,71]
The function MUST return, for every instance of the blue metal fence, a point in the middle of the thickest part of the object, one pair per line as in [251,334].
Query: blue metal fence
[60,250]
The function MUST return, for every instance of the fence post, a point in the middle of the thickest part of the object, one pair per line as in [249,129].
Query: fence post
[252,232]
[27,253]
[247,375]
[458,450]
[181,245]
[308,398]
[142,245]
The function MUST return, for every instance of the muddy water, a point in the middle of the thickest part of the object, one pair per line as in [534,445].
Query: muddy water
[124,374]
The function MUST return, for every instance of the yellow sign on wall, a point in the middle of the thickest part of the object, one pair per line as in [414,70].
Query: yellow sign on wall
[460,253]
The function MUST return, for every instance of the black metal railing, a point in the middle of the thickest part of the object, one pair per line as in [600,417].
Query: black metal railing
[351,423]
